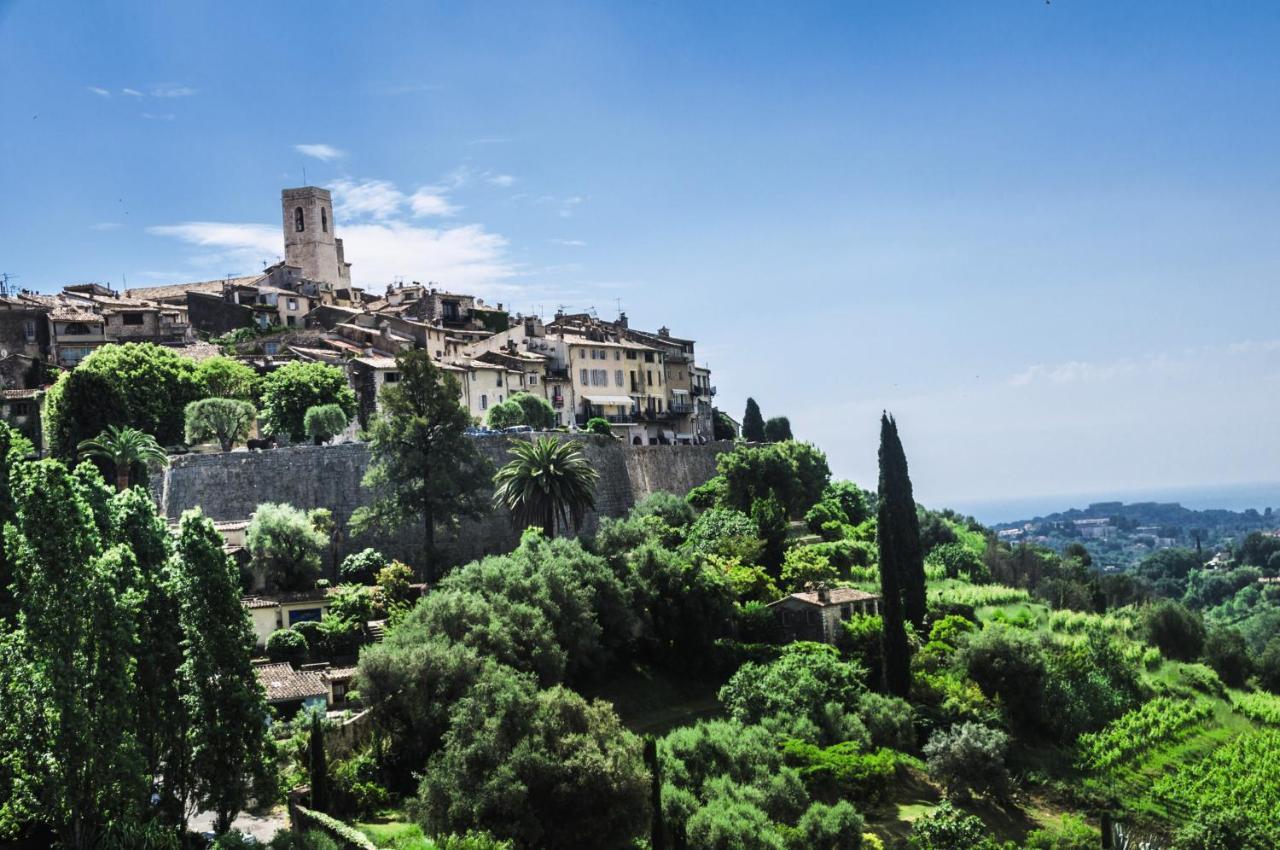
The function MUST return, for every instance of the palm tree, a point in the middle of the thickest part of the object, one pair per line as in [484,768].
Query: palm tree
[546,483]
[124,447]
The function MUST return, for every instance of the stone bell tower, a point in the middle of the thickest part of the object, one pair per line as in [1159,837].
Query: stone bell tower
[309,240]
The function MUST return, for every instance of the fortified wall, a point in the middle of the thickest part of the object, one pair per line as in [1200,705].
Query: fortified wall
[229,486]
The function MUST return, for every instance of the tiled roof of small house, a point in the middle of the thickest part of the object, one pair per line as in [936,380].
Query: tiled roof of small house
[232,525]
[284,684]
[377,362]
[76,316]
[154,293]
[339,674]
[835,596]
[274,599]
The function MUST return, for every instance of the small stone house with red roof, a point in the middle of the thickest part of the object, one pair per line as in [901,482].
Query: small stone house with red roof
[817,614]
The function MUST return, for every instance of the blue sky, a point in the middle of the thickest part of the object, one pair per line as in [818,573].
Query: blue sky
[1047,236]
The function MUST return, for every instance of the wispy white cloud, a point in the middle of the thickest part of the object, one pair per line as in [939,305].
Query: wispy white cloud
[99,91]
[568,205]
[106,225]
[493,140]
[324,153]
[431,201]
[499,179]
[261,240]
[358,199]
[564,205]
[1093,372]
[132,93]
[1250,346]
[158,116]
[571,243]
[376,221]
[172,90]
[1071,372]
[467,257]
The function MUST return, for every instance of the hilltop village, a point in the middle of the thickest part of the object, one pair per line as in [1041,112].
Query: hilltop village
[645,384]
[407,570]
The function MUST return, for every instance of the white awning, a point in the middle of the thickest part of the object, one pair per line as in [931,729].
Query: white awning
[620,400]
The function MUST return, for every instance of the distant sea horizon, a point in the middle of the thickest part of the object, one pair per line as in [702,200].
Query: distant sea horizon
[1231,497]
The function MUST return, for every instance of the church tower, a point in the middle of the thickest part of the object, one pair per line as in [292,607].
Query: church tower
[309,240]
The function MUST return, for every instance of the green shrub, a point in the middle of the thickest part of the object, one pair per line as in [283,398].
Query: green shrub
[843,770]
[958,560]
[969,757]
[673,510]
[287,645]
[1178,632]
[946,828]
[1072,834]
[1226,652]
[362,567]
[709,494]
[1202,678]
[470,841]
[598,425]
[824,827]
[323,422]
[504,415]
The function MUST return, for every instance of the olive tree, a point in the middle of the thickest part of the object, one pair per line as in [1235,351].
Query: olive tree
[223,419]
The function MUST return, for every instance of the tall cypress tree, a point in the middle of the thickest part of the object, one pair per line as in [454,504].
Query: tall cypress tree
[752,423]
[224,702]
[900,523]
[318,765]
[893,563]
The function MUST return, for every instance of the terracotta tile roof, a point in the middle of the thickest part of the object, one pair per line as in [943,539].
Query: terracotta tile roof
[378,362]
[835,596]
[274,599]
[284,684]
[176,289]
[76,316]
[339,674]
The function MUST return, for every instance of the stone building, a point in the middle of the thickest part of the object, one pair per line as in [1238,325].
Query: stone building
[310,242]
[817,614]
[20,410]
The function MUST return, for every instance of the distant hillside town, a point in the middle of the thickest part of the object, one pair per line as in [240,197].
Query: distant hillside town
[645,384]
[1119,535]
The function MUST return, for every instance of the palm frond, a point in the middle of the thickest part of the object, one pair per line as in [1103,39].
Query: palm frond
[548,483]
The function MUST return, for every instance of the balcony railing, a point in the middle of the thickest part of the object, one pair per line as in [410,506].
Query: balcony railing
[680,407]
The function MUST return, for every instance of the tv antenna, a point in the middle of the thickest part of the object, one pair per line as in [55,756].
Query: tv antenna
[618,302]
[5,277]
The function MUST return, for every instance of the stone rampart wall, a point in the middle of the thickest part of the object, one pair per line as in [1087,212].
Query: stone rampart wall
[230,486]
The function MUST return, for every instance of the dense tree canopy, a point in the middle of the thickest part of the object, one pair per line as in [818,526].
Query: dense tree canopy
[290,391]
[224,377]
[423,468]
[138,384]
[226,420]
[284,547]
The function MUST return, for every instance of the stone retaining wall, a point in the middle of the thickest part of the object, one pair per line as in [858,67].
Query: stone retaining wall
[229,486]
